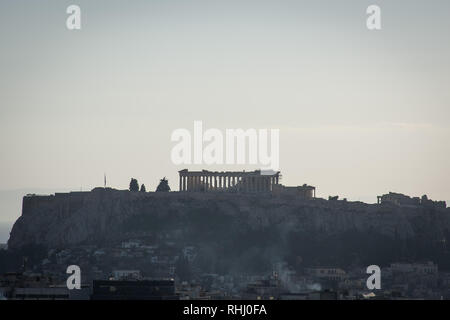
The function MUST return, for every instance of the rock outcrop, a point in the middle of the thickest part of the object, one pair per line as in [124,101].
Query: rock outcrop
[318,231]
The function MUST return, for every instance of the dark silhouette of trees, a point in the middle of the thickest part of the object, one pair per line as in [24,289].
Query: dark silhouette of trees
[143,188]
[163,185]
[134,185]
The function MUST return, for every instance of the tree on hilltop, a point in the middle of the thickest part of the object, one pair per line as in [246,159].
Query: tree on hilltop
[143,189]
[134,185]
[163,185]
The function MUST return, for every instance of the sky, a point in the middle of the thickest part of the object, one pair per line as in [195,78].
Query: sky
[360,112]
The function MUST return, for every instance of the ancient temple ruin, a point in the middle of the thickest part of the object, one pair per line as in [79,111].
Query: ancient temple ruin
[241,181]
[238,181]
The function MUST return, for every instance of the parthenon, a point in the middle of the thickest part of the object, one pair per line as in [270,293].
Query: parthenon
[238,181]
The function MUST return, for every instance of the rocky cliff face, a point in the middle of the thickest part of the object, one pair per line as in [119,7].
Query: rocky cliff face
[235,225]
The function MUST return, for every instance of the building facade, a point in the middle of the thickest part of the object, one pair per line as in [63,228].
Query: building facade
[231,181]
[304,191]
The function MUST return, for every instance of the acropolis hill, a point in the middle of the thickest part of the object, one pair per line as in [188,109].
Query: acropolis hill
[238,224]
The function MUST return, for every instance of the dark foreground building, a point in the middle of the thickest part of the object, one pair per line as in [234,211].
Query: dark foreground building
[133,290]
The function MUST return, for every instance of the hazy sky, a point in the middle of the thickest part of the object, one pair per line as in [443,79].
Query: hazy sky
[360,112]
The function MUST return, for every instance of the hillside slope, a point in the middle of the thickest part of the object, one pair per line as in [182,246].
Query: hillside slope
[255,230]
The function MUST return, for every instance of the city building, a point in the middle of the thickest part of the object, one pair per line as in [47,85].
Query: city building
[418,268]
[126,274]
[133,290]
[325,273]
[30,286]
